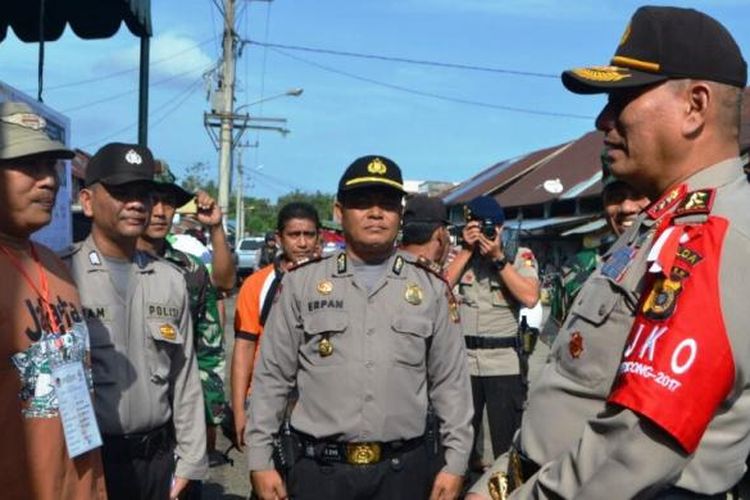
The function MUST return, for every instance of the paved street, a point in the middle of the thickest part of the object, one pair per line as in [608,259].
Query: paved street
[227,481]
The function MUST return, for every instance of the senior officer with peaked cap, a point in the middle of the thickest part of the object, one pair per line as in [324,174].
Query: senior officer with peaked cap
[647,390]
[146,384]
[370,339]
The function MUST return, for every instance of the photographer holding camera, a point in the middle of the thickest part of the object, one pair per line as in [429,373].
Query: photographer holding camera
[493,286]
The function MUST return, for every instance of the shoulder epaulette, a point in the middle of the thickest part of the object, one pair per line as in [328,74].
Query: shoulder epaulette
[430,266]
[305,261]
[70,250]
[434,268]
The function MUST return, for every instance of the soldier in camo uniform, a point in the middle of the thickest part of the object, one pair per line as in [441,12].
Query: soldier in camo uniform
[209,335]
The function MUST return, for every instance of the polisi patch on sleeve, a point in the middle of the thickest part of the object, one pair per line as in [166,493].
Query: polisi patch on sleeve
[678,367]
[163,311]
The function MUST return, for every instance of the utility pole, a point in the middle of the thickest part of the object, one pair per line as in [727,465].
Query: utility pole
[240,203]
[227,111]
[223,114]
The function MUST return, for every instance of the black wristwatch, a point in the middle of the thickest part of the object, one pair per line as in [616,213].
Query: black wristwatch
[499,264]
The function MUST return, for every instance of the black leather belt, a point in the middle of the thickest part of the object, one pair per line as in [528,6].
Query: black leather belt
[482,342]
[141,444]
[364,453]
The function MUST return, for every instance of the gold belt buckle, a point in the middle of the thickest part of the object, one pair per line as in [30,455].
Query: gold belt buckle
[362,453]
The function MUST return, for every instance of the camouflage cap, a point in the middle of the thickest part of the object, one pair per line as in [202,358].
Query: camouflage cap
[22,133]
[166,180]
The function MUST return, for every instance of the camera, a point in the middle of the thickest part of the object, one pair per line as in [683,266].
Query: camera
[488,228]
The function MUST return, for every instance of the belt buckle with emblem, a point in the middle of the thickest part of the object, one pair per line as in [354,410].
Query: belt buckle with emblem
[413,294]
[362,453]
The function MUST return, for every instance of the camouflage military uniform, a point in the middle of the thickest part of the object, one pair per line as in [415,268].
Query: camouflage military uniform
[209,335]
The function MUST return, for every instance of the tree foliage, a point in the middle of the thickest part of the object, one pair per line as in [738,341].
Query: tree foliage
[260,213]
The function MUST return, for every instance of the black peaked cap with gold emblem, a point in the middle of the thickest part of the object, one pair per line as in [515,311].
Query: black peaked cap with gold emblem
[371,171]
[662,43]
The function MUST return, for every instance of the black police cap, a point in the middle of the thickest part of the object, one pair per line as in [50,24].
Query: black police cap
[371,171]
[421,208]
[663,43]
[118,163]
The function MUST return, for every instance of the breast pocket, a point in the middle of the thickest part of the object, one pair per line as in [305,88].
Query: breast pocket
[165,348]
[411,337]
[590,344]
[324,342]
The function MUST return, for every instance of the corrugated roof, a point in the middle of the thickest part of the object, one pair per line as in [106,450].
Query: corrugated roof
[497,176]
[573,166]
[520,181]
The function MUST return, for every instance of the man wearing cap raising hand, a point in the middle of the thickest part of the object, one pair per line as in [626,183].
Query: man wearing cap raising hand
[43,332]
[646,391]
[208,336]
[370,339]
[147,390]
[493,287]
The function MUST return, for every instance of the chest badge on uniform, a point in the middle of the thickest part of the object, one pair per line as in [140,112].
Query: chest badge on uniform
[413,294]
[661,299]
[168,332]
[575,346]
[325,287]
[325,347]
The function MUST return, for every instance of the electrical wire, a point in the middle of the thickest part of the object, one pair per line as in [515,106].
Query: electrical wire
[134,90]
[179,100]
[433,95]
[126,71]
[421,62]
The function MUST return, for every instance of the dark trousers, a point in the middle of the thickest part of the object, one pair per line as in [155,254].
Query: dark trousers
[406,477]
[137,478]
[504,396]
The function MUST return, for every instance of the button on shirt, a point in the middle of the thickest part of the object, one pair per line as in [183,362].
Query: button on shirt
[390,357]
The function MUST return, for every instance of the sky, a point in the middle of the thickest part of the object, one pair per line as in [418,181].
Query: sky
[437,122]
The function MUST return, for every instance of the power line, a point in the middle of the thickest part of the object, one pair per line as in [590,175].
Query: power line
[181,98]
[126,71]
[133,91]
[433,95]
[403,60]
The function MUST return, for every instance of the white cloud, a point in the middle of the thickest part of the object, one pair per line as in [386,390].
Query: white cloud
[172,56]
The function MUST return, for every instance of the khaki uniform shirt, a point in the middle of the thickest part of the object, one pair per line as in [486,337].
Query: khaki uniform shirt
[590,449]
[489,309]
[143,360]
[395,349]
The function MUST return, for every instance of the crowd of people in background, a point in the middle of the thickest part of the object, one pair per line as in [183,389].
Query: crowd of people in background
[366,372]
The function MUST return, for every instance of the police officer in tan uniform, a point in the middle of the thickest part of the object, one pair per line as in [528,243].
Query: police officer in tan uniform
[646,392]
[370,339]
[492,289]
[146,384]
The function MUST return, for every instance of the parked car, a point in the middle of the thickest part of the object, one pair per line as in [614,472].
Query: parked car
[248,255]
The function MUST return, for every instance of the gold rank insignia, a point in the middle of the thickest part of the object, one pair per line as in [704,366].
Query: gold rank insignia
[377,166]
[413,294]
[325,287]
[325,347]
[168,332]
